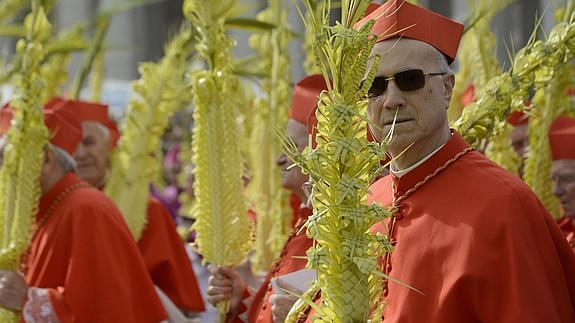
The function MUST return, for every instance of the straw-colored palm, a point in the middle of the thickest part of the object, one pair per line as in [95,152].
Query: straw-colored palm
[342,167]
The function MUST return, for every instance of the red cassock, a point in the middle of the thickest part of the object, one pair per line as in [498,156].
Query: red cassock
[85,257]
[566,225]
[260,307]
[477,244]
[167,260]
[261,310]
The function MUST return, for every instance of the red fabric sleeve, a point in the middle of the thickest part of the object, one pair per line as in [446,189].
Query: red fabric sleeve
[167,260]
[105,277]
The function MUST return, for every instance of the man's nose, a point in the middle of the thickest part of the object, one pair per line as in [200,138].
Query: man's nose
[558,188]
[80,152]
[282,159]
[394,97]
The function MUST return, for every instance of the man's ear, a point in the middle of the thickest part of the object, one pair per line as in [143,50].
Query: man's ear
[449,83]
[49,160]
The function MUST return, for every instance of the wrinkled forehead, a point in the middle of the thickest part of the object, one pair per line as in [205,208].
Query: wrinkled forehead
[297,131]
[93,128]
[399,54]
[520,132]
[563,167]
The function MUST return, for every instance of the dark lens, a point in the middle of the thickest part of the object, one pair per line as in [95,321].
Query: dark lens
[378,87]
[410,80]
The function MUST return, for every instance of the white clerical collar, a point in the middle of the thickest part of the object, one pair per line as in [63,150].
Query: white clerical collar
[399,173]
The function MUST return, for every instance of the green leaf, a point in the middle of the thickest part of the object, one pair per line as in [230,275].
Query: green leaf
[241,9]
[121,6]
[12,31]
[249,24]
[255,26]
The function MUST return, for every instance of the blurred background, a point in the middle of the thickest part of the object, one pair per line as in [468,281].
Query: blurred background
[139,34]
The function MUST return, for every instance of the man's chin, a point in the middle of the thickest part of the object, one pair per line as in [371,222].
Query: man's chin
[400,142]
[285,184]
[89,176]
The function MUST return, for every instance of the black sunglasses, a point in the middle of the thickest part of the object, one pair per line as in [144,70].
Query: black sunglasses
[408,80]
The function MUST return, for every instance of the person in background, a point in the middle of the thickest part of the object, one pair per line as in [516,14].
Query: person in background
[562,143]
[160,245]
[265,305]
[82,264]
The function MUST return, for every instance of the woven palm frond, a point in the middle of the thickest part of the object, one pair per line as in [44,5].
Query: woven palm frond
[24,153]
[161,90]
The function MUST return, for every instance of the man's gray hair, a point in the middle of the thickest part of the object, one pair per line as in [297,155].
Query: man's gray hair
[442,63]
[104,130]
[64,159]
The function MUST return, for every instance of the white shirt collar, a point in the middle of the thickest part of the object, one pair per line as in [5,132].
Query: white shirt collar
[400,172]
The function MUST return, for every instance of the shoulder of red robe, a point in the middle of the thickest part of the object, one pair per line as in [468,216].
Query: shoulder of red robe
[89,111]
[65,129]
[397,18]
[562,138]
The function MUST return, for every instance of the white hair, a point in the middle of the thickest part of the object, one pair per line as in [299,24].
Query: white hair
[64,159]
[104,130]
[442,63]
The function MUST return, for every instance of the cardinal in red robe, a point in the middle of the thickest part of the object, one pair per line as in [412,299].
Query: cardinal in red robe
[82,265]
[562,143]
[160,245]
[472,243]
[471,240]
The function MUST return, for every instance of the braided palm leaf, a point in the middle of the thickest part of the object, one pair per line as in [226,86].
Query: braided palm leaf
[162,89]
[342,167]
[310,66]
[547,107]
[97,68]
[500,150]
[550,102]
[54,66]
[270,114]
[533,67]
[223,233]
[97,77]
[54,71]
[477,59]
[24,153]
[482,60]
[10,8]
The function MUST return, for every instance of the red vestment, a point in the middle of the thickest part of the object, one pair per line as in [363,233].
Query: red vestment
[84,255]
[167,260]
[259,309]
[477,244]
[566,225]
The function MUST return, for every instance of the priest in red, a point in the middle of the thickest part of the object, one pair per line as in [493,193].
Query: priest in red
[82,265]
[264,305]
[562,142]
[519,136]
[161,246]
[471,238]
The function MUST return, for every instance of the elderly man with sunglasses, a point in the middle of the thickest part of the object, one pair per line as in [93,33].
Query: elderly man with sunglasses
[471,239]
